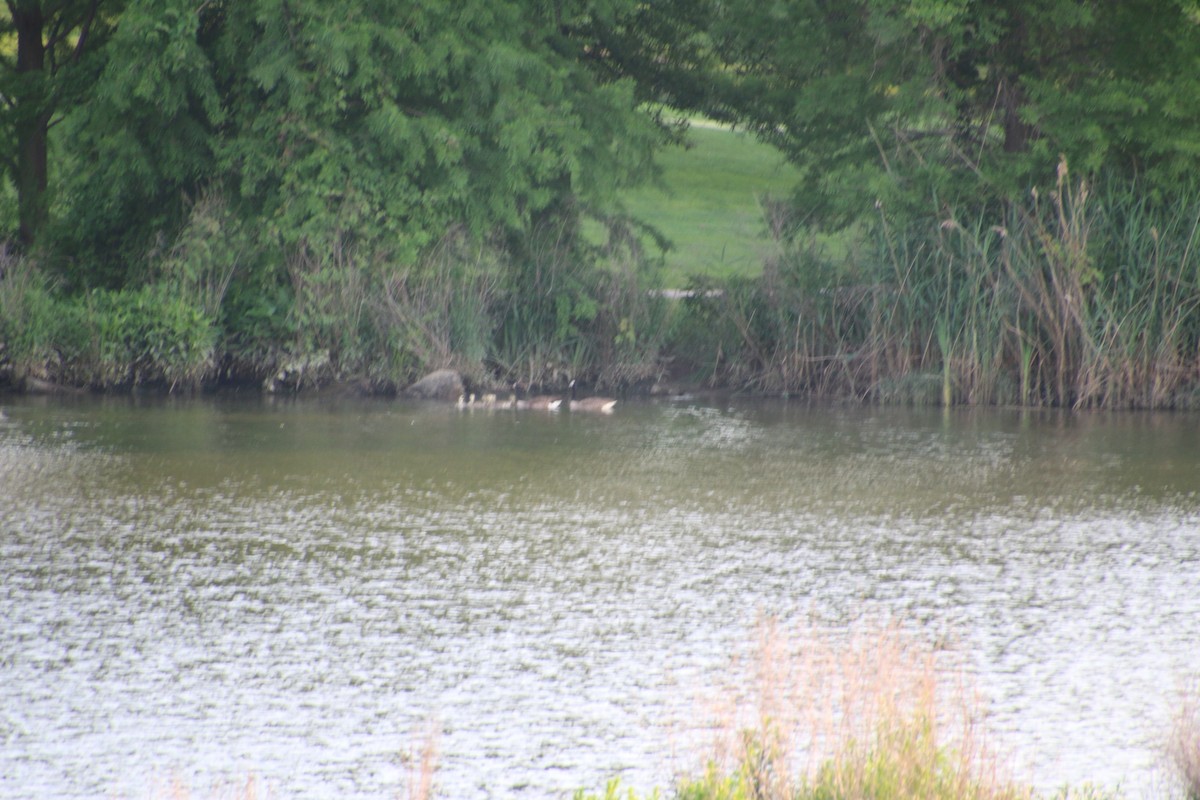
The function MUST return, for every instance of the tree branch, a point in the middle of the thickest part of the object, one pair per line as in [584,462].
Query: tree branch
[84,29]
[56,35]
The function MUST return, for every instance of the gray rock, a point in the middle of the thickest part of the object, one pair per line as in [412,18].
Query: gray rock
[442,384]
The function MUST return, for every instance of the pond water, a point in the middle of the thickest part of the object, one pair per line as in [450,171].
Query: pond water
[296,590]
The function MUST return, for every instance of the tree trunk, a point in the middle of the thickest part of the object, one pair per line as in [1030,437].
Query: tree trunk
[1017,132]
[33,122]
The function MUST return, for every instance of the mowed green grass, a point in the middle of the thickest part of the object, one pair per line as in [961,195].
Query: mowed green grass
[709,207]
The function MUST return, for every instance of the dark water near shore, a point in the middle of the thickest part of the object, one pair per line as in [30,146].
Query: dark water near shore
[293,589]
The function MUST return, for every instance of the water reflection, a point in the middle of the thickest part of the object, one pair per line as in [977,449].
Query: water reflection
[222,587]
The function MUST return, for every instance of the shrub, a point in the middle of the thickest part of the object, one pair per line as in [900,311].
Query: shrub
[440,311]
[102,338]
[136,336]
[614,791]
[29,318]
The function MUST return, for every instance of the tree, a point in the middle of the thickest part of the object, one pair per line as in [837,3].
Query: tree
[381,124]
[932,100]
[41,80]
[398,120]
[143,147]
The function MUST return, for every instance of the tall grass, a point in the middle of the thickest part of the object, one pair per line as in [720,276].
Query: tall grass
[150,334]
[872,714]
[175,788]
[420,763]
[1080,296]
[536,307]
[568,309]
[1076,297]
[27,319]
[440,312]
[1184,746]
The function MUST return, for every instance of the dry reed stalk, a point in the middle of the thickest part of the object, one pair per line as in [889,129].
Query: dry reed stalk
[176,789]
[846,710]
[421,765]
[1184,747]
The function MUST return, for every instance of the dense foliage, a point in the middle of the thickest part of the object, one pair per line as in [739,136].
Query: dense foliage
[930,101]
[296,191]
[378,125]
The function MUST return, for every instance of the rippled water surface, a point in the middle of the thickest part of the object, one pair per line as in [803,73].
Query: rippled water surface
[213,588]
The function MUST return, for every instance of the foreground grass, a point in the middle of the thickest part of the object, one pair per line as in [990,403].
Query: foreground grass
[874,714]
[1184,746]
[870,713]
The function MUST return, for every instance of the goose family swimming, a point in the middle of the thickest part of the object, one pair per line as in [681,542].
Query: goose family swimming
[489,400]
[541,402]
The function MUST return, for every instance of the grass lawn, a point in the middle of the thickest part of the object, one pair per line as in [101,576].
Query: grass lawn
[709,209]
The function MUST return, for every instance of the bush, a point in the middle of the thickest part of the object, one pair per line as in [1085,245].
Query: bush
[29,318]
[614,791]
[103,338]
[134,337]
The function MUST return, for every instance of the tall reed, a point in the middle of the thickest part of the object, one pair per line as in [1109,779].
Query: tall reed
[175,788]
[873,713]
[440,312]
[27,318]
[1184,746]
[569,309]
[420,763]
[1077,297]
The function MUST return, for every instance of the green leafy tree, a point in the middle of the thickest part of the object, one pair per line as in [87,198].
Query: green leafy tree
[143,147]
[378,125]
[46,53]
[397,120]
[331,147]
[931,100]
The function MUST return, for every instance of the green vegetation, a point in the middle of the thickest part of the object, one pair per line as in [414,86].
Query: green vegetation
[1083,297]
[868,714]
[709,206]
[297,193]
[1184,747]
[872,712]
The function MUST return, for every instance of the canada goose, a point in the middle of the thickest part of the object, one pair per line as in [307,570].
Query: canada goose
[543,402]
[604,405]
